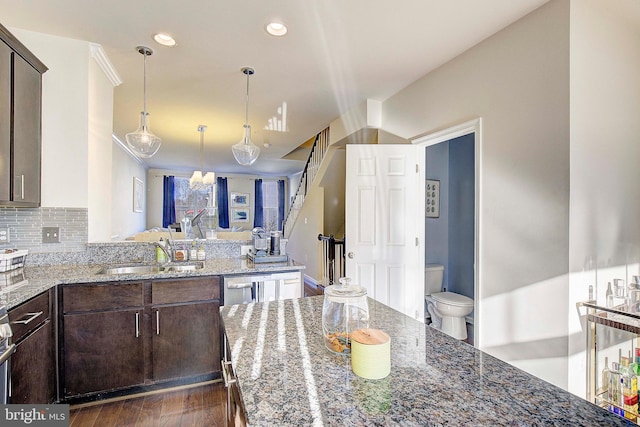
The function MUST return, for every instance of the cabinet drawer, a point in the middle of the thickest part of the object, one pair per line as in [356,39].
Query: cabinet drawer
[185,290]
[103,296]
[29,315]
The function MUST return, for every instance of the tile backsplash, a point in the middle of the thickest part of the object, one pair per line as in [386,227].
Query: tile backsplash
[25,228]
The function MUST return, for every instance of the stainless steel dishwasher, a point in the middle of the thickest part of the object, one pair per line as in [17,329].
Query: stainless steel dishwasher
[259,287]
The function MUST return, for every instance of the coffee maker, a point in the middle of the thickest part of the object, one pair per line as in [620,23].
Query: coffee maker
[266,246]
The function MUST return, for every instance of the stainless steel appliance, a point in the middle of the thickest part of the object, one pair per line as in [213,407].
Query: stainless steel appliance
[6,350]
[244,289]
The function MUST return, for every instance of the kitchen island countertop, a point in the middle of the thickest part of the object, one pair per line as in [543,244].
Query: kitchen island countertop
[287,377]
[31,280]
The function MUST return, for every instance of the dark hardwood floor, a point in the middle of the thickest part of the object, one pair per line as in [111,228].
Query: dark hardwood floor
[203,405]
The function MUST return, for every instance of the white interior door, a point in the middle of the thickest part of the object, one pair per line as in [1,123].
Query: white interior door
[383,238]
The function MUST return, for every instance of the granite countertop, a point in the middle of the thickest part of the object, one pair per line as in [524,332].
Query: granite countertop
[25,283]
[287,377]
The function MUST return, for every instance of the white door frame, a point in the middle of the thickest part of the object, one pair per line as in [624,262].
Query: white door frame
[472,126]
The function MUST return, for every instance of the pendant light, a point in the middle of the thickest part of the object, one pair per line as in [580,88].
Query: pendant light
[197,181]
[142,142]
[245,151]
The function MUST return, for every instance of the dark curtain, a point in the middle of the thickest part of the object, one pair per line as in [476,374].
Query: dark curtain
[223,203]
[168,201]
[280,203]
[258,220]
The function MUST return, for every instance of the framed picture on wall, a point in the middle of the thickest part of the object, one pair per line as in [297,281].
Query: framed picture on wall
[239,200]
[432,198]
[239,215]
[138,194]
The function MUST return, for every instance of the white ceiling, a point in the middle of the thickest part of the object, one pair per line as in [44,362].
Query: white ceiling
[337,54]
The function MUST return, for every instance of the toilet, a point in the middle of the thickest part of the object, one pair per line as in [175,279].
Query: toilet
[447,309]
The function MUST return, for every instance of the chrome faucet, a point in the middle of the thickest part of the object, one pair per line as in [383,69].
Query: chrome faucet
[168,251]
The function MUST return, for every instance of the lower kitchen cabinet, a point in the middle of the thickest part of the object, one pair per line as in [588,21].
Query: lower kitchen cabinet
[186,341]
[117,336]
[33,375]
[186,328]
[101,335]
[103,351]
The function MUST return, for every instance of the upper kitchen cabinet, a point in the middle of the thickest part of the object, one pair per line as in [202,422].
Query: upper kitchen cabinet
[20,123]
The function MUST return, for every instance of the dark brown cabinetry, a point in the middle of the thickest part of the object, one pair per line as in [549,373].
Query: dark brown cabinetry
[20,123]
[102,339]
[122,335]
[185,317]
[33,374]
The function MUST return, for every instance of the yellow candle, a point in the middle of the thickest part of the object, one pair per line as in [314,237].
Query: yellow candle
[370,353]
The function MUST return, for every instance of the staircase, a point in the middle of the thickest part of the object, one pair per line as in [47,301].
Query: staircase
[318,151]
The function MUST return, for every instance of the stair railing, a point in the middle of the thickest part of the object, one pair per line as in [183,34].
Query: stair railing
[318,151]
[332,259]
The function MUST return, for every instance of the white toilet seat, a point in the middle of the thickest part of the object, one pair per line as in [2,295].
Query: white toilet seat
[453,299]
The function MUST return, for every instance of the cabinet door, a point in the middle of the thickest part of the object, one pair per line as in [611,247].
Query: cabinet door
[5,121]
[102,351]
[33,377]
[186,340]
[26,133]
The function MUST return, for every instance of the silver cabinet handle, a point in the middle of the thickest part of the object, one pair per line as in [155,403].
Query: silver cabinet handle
[21,185]
[137,325]
[157,322]
[225,373]
[7,353]
[243,285]
[350,255]
[32,316]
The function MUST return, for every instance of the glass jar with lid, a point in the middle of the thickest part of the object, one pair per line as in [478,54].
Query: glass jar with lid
[344,310]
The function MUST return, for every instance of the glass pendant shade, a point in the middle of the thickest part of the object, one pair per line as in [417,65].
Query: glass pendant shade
[142,142]
[245,151]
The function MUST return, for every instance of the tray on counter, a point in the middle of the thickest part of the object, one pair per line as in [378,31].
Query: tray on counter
[13,260]
[257,259]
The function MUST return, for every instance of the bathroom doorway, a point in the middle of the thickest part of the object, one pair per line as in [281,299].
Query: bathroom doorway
[451,211]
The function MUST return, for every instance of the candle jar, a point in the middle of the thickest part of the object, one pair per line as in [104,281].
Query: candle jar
[344,310]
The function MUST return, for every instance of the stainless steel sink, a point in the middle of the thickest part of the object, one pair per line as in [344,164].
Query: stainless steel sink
[132,269]
[188,266]
[153,269]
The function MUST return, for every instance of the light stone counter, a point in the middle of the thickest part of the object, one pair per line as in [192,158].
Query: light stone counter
[40,278]
[287,377]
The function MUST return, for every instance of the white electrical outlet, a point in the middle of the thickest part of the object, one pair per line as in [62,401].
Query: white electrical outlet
[5,235]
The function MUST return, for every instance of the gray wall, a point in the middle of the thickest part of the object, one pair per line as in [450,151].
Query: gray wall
[450,237]
[517,81]
[461,215]
[437,229]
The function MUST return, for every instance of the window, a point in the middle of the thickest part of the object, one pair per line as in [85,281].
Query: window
[270,205]
[189,202]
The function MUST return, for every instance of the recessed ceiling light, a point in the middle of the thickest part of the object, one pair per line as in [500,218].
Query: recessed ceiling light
[277,29]
[164,39]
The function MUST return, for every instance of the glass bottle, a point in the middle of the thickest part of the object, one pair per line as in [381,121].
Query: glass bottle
[344,310]
[606,373]
[609,295]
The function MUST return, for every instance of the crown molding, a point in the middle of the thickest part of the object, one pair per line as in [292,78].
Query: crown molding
[98,53]
[126,149]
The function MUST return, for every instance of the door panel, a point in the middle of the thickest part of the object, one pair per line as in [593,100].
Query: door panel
[186,340]
[102,351]
[5,121]
[26,132]
[383,198]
